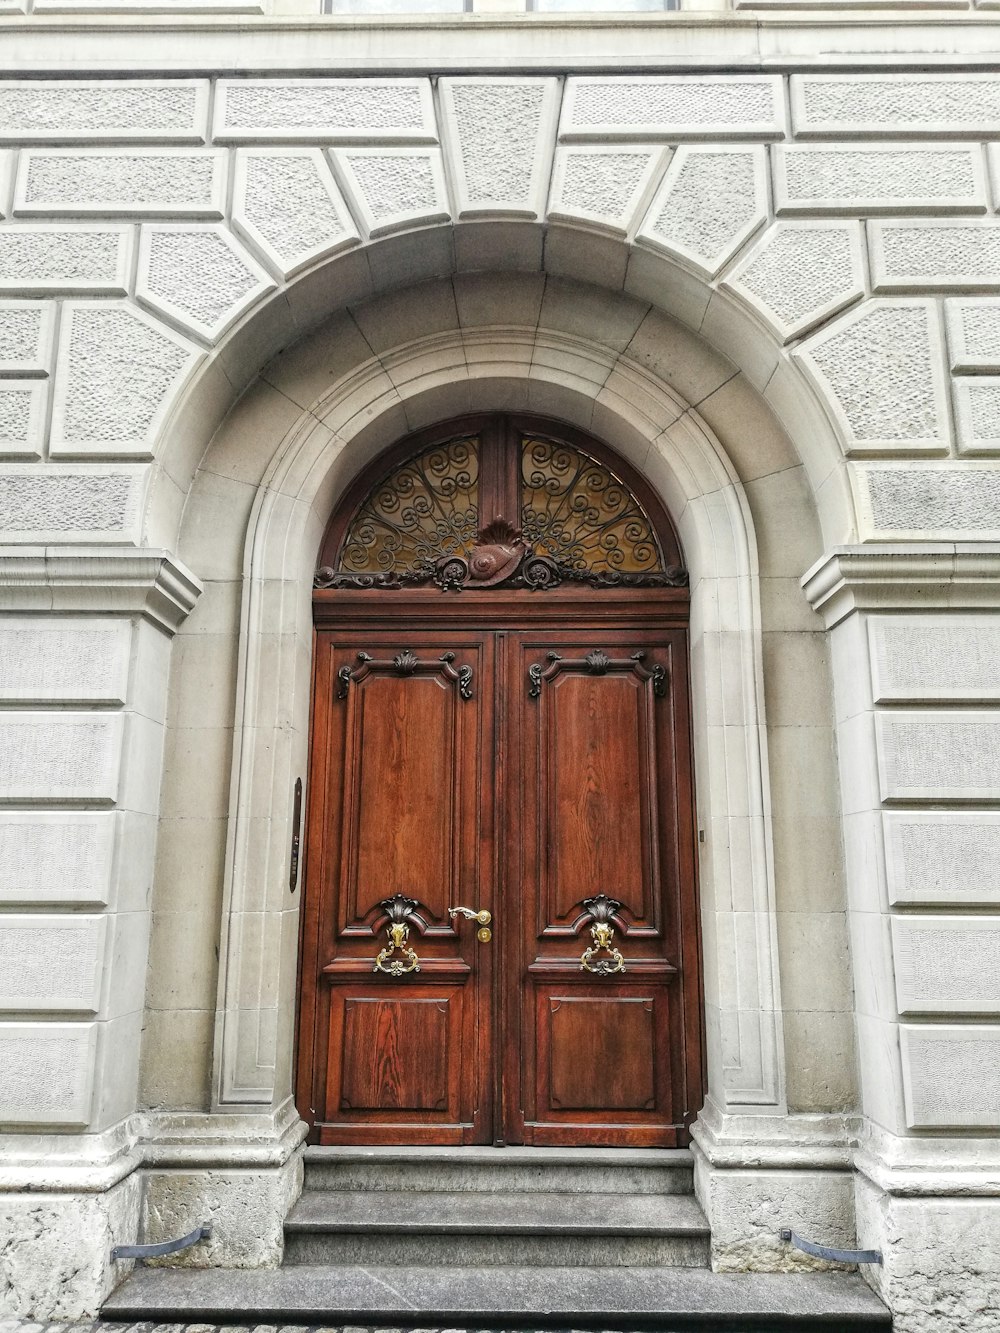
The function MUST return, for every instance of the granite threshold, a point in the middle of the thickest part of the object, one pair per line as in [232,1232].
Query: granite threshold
[670,1300]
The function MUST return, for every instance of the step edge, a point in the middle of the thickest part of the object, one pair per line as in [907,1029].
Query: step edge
[299,1228]
[486,1154]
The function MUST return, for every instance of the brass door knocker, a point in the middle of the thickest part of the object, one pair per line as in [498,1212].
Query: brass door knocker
[397,959]
[601,910]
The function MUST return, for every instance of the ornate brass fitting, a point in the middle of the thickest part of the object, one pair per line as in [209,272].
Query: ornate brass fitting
[398,909]
[601,910]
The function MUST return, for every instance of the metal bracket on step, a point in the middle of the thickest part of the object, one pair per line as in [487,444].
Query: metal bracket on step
[158,1250]
[827,1252]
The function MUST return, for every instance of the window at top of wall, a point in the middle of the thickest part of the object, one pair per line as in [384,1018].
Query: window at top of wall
[396,6]
[468,6]
[600,6]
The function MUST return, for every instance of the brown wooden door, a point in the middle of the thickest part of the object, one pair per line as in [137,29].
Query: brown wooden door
[550,782]
[601,836]
[401,808]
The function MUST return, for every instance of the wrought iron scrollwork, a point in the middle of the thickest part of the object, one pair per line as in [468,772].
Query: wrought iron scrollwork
[405,663]
[575,510]
[427,508]
[596,663]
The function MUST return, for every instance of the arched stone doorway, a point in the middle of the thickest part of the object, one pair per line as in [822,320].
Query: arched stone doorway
[501,718]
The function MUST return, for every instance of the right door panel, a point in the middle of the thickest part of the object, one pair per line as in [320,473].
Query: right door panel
[600,859]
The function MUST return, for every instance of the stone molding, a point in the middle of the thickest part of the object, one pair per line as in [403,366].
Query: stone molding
[912,576]
[788,1142]
[741,41]
[188,1141]
[944,1167]
[148,582]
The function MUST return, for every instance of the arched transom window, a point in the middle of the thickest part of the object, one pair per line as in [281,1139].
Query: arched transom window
[500,502]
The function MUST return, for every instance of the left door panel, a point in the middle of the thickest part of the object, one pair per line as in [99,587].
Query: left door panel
[394,1036]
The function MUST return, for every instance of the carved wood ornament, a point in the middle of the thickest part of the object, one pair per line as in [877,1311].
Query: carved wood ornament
[500,557]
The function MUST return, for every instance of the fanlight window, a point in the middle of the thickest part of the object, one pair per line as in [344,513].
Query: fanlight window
[426,509]
[441,517]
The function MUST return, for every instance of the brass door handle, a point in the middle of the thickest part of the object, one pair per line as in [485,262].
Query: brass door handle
[484,917]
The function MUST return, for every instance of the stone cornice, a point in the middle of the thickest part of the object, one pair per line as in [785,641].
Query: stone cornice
[95,42]
[110,579]
[912,576]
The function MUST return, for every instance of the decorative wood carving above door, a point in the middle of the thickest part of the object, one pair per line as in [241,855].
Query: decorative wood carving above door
[500,504]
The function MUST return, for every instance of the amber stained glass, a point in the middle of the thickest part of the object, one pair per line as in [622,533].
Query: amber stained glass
[425,509]
[579,513]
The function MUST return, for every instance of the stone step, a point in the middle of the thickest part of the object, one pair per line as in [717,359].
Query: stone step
[665,1299]
[551,1170]
[468,1228]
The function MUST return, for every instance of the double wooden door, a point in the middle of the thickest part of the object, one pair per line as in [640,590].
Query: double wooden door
[538,776]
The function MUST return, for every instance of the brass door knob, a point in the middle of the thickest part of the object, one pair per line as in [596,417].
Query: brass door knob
[483,917]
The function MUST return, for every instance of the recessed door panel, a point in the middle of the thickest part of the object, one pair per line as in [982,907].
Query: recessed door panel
[596,783]
[400,816]
[396,1052]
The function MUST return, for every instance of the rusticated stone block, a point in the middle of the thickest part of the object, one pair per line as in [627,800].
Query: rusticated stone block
[977,415]
[935,255]
[942,858]
[22,418]
[916,501]
[46,1073]
[198,276]
[82,110]
[71,503]
[118,373]
[605,185]
[801,273]
[55,756]
[390,188]
[500,134]
[51,962]
[882,370]
[951,1076]
[947,964]
[286,203]
[668,107]
[879,179]
[710,202]
[974,333]
[50,258]
[324,110]
[938,756]
[111,182]
[26,336]
[49,856]
[923,658]
[852,105]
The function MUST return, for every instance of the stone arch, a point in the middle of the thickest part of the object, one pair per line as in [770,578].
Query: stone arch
[704,322]
[251,528]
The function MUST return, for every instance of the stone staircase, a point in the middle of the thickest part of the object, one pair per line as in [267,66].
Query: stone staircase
[515,1238]
[500,1206]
